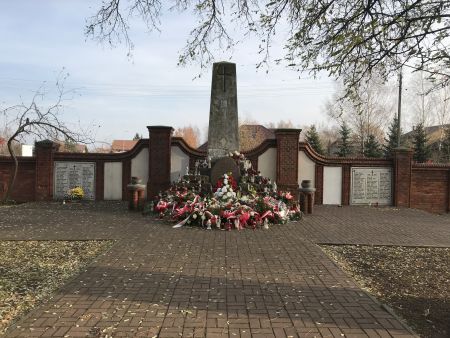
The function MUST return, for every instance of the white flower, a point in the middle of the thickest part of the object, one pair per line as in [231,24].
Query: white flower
[229,194]
[233,194]
[224,197]
[225,176]
[194,216]
[225,181]
[236,152]
[224,189]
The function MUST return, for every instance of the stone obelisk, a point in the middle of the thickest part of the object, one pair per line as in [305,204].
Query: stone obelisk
[223,134]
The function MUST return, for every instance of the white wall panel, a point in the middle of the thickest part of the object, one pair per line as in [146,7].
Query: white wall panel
[267,164]
[112,185]
[178,163]
[306,168]
[139,166]
[332,185]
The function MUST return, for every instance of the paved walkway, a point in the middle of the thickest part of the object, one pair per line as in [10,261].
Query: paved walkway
[162,282]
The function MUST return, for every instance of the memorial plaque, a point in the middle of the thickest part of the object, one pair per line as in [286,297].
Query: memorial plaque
[371,185]
[68,175]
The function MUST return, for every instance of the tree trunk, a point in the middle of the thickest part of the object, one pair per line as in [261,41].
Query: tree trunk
[12,179]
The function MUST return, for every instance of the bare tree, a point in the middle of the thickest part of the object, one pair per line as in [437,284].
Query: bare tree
[280,124]
[31,120]
[347,39]
[421,101]
[367,113]
[190,134]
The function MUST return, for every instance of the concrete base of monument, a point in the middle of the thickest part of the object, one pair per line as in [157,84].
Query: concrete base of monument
[216,154]
[223,166]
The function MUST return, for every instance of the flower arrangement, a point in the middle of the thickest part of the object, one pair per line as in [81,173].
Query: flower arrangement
[76,193]
[226,187]
[253,202]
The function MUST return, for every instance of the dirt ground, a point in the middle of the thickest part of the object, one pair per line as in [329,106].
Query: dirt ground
[30,271]
[413,281]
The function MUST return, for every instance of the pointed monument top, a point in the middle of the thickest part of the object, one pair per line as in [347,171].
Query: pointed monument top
[223,135]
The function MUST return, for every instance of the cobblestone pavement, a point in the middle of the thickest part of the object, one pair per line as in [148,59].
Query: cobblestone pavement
[162,282]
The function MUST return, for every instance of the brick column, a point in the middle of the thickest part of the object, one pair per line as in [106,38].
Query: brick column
[287,159]
[346,182]
[319,184]
[402,177]
[448,191]
[159,151]
[44,169]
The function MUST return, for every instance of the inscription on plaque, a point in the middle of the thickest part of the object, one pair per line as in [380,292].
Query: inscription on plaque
[69,175]
[371,185]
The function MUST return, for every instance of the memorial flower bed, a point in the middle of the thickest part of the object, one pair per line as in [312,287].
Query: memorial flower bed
[252,202]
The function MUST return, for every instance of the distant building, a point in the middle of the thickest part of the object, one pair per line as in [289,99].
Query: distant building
[435,135]
[250,137]
[3,148]
[65,147]
[119,146]
[27,150]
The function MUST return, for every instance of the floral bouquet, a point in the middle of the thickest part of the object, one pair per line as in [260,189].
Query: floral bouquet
[233,205]
[75,194]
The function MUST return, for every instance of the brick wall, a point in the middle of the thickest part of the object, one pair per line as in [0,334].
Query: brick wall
[421,186]
[24,188]
[430,188]
[35,175]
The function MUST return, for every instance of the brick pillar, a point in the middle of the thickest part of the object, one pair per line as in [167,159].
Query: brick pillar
[346,182]
[402,177]
[319,184]
[448,191]
[287,159]
[44,169]
[159,151]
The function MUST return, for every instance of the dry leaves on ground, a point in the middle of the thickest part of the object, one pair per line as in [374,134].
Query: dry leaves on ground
[414,281]
[31,271]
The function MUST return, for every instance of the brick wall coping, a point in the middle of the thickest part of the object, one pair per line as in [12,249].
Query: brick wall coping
[21,159]
[187,149]
[334,160]
[110,157]
[441,166]
[258,150]
[287,131]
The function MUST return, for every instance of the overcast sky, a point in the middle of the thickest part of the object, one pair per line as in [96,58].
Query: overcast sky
[121,96]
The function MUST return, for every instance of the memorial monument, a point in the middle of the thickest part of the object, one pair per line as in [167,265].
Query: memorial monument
[223,134]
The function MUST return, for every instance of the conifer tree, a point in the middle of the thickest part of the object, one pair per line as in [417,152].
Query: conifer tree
[372,147]
[344,145]
[312,137]
[420,140]
[392,138]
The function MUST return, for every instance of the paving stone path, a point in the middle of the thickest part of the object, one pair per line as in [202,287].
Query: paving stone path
[162,282]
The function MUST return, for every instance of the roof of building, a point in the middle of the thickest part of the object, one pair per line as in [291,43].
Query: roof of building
[433,133]
[73,148]
[250,136]
[123,145]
